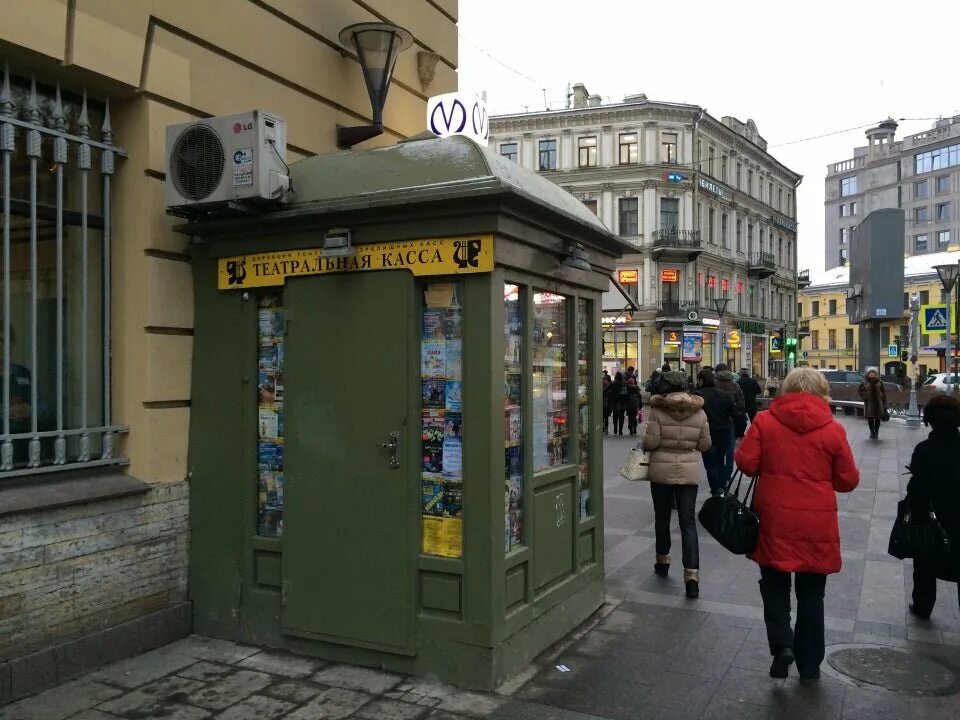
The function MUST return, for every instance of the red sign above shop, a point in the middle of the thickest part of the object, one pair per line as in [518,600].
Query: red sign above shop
[725,285]
[669,275]
[739,287]
[628,277]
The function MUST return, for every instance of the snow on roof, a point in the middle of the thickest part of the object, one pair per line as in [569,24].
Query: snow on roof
[913,266]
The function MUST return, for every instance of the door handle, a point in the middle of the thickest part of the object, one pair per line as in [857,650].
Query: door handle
[393,445]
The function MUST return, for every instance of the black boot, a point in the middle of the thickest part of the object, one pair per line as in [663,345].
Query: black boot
[662,566]
[782,660]
[691,582]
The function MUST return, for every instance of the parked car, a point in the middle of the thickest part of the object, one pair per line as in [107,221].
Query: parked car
[941,381]
[845,386]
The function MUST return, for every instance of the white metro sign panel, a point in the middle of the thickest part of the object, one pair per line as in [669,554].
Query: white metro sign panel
[458,113]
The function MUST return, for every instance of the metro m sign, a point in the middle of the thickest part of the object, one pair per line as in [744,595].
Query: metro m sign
[458,113]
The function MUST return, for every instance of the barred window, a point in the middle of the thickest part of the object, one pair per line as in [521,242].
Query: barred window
[54,334]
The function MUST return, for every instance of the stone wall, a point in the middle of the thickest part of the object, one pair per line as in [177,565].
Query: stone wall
[74,572]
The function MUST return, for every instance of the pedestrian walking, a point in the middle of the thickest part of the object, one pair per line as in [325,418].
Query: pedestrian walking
[653,382]
[874,401]
[607,405]
[618,402]
[935,484]
[634,403]
[721,412]
[751,390]
[802,457]
[676,434]
[631,373]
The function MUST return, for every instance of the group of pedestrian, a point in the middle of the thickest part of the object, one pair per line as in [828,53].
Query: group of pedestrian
[802,456]
[621,400]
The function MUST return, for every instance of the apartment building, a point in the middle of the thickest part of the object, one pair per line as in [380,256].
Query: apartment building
[920,174]
[711,213]
[98,291]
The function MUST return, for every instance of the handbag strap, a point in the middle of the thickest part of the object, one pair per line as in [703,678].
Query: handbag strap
[736,477]
[751,492]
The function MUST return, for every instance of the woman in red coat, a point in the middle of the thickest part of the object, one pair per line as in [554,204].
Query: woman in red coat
[802,457]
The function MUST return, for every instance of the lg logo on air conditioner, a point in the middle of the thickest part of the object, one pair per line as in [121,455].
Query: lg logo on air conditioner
[240,127]
[458,114]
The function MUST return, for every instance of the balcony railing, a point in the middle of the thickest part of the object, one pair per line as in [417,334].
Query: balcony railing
[763,260]
[677,308]
[677,238]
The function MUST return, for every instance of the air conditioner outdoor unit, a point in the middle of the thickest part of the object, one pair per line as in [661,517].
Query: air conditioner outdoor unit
[227,160]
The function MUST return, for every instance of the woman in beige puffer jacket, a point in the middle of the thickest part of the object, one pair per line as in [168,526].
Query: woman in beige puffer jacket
[676,434]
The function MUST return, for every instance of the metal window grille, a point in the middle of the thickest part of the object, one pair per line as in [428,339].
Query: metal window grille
[56,230]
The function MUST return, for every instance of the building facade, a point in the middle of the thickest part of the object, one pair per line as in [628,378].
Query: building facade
[711,213]
[829,340]
[98,294]
[920,174]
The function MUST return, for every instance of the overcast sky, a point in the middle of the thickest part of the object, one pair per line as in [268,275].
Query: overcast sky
[798,69]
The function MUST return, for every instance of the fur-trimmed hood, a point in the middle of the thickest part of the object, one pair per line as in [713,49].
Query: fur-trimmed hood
[678,405]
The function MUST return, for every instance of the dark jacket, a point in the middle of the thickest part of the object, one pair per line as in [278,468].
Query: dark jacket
[618,394]
[719,407]
[726,383]
[874,398]
[634,399]
[935,481]
[803,458]
[750,389]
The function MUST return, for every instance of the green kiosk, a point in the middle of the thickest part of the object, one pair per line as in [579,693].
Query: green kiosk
[395,448]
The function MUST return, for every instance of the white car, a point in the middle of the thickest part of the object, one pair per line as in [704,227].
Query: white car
[941,382]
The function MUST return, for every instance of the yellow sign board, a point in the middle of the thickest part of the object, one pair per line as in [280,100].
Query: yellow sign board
[436,256]
[733,339]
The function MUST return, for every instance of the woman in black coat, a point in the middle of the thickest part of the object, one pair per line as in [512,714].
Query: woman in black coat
[935,483]
[618,402]
[634,403]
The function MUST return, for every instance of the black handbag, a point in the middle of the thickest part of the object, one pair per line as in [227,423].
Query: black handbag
[730,521]
[886,415]
[918,537]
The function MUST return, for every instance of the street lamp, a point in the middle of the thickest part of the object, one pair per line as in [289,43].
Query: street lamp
[377,46]
[720,305]
[913,412]
[948,278]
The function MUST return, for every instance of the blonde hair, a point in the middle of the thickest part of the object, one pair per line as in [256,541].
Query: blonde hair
[806,380]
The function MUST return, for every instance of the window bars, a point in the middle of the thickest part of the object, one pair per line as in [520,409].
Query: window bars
[56,282]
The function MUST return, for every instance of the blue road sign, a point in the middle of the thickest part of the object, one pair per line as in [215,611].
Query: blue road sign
[934,318]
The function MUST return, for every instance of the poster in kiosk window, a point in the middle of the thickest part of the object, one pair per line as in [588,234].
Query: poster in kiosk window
[270,353]
[692,347]
[441,419]
[512,418]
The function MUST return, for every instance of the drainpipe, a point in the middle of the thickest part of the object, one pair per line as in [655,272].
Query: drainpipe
[796,280]
[695,165]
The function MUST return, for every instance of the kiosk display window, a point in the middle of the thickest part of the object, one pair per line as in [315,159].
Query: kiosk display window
[512,417]
[270,319]
[583,403]
[551,438]
[441,376]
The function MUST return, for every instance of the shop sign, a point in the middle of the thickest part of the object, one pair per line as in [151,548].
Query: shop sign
[733,339]
[692,347]
[712,187]
[790,225]
[751,327]
[711,322]
[616,319]
[671,337]
[436,256]
[669,275]
[628,277]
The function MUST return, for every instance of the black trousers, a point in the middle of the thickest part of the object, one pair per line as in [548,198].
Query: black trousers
[925,587]
[686,496]
[632,420]
[606,419]
[619,415]
[806,638]
[874,424]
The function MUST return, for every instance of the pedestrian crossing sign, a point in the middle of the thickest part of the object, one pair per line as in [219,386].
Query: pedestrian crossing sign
[933,318]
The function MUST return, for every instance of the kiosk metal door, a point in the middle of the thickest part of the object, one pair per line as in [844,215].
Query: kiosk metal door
[350,518]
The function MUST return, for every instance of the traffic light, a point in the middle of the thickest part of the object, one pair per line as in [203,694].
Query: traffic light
[791,345]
